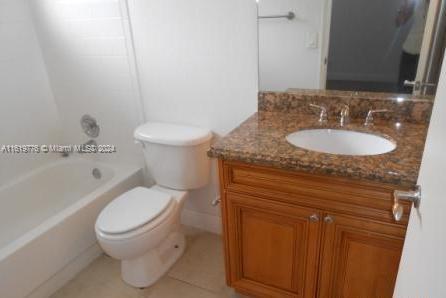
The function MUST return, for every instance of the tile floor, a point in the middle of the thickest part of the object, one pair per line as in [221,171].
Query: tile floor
[198,274]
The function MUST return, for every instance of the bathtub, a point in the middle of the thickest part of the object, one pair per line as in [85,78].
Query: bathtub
[47,222]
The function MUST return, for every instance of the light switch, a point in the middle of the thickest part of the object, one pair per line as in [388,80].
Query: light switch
[312,40]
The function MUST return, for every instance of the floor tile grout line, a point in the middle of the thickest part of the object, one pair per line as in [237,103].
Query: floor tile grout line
[193,285]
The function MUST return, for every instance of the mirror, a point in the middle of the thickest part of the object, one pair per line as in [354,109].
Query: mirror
[355,45]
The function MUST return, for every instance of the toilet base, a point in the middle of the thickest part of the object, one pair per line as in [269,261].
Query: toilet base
[144,271]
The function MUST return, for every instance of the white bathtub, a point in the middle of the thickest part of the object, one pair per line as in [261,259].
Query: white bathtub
[47,222]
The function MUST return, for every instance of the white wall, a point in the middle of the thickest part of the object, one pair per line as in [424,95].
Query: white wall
[88,55]
[28,114]
[197,61]
[285,59]
[365,44]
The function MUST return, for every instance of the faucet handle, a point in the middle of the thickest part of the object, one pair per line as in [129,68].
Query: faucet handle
[323,117]
[369,119]
[345,110]
[344,115]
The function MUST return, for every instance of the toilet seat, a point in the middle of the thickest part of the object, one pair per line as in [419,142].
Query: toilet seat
[133,213]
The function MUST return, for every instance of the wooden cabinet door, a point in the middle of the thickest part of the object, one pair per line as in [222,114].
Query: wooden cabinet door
[273,247]
[360,257]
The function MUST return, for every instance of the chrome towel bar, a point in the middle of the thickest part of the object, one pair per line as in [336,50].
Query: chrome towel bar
[291,15]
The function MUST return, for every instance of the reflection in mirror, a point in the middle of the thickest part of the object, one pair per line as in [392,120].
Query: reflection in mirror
[360,45]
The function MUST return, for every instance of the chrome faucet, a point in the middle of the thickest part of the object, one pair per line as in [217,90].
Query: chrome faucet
[369,119]
[323,116]
[345,116]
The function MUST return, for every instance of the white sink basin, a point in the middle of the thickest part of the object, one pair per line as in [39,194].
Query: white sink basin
[343,142]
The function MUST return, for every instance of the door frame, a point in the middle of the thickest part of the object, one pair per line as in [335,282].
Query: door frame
[325,43]
[427,43]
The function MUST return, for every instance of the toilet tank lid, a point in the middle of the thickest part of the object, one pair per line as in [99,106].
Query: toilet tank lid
[172,134]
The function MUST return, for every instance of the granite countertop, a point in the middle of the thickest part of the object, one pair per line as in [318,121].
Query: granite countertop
[261,140]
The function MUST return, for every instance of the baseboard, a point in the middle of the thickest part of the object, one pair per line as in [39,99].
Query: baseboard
[203,221]
[67,273]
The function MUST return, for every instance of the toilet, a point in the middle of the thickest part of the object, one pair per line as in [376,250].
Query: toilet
[142,226]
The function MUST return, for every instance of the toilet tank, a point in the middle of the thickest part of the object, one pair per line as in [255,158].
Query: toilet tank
[176,154]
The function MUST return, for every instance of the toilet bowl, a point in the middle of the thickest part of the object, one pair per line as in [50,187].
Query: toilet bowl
[147,245]
[142,226]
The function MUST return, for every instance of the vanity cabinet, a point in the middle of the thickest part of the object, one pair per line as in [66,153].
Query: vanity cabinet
[272,248]
[289,234]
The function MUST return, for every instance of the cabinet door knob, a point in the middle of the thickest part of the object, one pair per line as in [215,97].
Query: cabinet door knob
[314,218]
[328,219]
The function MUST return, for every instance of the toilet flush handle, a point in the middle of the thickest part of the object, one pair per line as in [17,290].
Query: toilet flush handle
[216,201]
